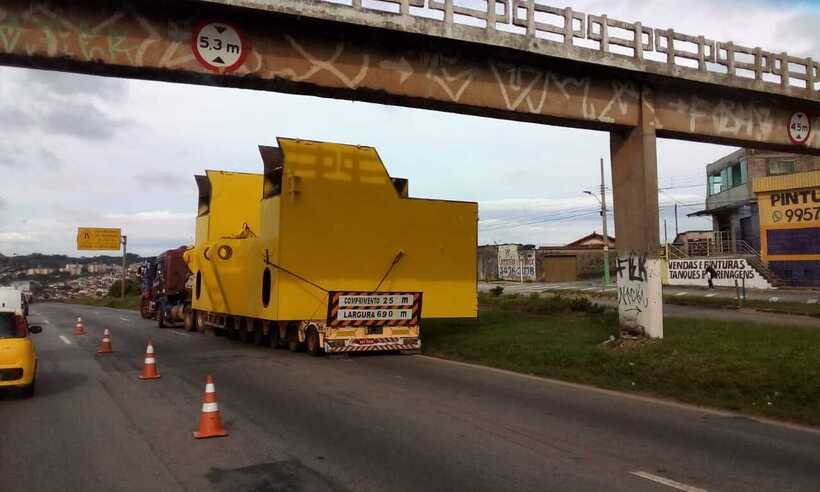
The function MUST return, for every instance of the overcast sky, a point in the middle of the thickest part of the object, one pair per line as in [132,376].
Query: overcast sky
[89,151]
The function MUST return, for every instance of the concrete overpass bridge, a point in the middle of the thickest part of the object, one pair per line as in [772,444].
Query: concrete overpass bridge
[514,59]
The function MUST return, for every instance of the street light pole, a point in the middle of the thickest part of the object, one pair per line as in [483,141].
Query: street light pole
[122,282]
[604,218]
[603,213]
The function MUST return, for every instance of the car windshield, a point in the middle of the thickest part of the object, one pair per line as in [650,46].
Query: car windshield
[8,326]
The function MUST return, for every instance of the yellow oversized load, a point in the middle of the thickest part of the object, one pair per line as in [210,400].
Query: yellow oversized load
[228,202]
[342,258]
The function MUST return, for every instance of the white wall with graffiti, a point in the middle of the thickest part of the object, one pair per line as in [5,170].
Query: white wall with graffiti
[516,263]
[727,270]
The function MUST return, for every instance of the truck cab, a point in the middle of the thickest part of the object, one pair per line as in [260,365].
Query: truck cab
[172,289]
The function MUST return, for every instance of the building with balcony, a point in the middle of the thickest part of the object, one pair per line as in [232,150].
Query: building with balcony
[738,187]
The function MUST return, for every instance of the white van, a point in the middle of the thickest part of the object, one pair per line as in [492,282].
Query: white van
[11,300]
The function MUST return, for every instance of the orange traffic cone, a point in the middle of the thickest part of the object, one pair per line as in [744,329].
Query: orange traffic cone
[149,368]
[210,424]
[105,345]
[78,328]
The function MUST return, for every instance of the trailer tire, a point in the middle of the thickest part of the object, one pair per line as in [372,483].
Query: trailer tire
[312,342]
[259,337]
[189,319]
[282,341]
[294,345]
[245,335]
[200,321]
[273,335]
[230,328]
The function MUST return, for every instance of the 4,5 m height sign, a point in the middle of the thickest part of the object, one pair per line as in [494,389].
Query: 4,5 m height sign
[219,46]
[373,309]
[799,128]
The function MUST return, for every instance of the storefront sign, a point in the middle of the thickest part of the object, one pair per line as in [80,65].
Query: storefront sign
[727,270]
[515,263]
[791,207]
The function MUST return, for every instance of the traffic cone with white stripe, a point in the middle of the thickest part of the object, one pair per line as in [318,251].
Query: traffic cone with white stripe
[210,423]
[105,345]
[78,328]
[149,368]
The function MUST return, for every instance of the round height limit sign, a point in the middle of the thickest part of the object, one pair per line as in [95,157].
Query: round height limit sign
[799,127]
[219,47]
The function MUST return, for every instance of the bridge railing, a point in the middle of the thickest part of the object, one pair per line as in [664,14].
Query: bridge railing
[565,26]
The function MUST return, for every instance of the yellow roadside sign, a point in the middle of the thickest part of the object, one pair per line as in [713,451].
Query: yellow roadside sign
[98,239]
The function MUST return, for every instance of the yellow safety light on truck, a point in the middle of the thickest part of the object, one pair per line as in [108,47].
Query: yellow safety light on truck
[335,256]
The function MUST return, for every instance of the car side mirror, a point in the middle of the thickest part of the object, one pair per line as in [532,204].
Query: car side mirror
[35,329]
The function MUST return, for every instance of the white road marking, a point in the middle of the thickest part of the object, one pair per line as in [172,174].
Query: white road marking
[46,322]
[811,301]
[774,299]
[589,288]
[66,340]
[124,319]
[180,333]
[681,293]
[711,295]
[667,482]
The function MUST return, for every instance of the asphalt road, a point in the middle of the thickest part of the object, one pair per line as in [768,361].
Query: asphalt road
[379,423]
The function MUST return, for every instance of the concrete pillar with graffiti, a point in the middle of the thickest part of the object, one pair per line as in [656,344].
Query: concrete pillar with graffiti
[635,197]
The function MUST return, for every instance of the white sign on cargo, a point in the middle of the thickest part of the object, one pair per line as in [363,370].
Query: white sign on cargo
[358,300]
[374,314]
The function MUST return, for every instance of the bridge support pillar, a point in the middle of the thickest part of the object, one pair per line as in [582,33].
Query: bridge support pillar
[637,230]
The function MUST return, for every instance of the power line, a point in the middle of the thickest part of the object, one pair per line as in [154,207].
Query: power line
[543,221]
[546,214]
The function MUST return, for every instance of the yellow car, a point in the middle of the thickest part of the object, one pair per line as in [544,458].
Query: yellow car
[18,360]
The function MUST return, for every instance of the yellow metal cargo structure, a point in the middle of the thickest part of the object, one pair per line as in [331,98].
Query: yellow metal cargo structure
[330,218]
[227,201]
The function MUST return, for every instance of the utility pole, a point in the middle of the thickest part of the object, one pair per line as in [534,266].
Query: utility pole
[604,218]
[665,235]
[676,219]
[124,266]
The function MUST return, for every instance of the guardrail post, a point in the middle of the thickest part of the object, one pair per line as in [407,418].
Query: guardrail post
[638,41]
[604,34]
[448,12]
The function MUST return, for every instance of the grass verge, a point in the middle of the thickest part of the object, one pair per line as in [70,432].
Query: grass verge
[128,302]
[796,308]
[772,371]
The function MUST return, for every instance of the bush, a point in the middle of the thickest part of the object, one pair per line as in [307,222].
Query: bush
[497,290]
[132,288]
